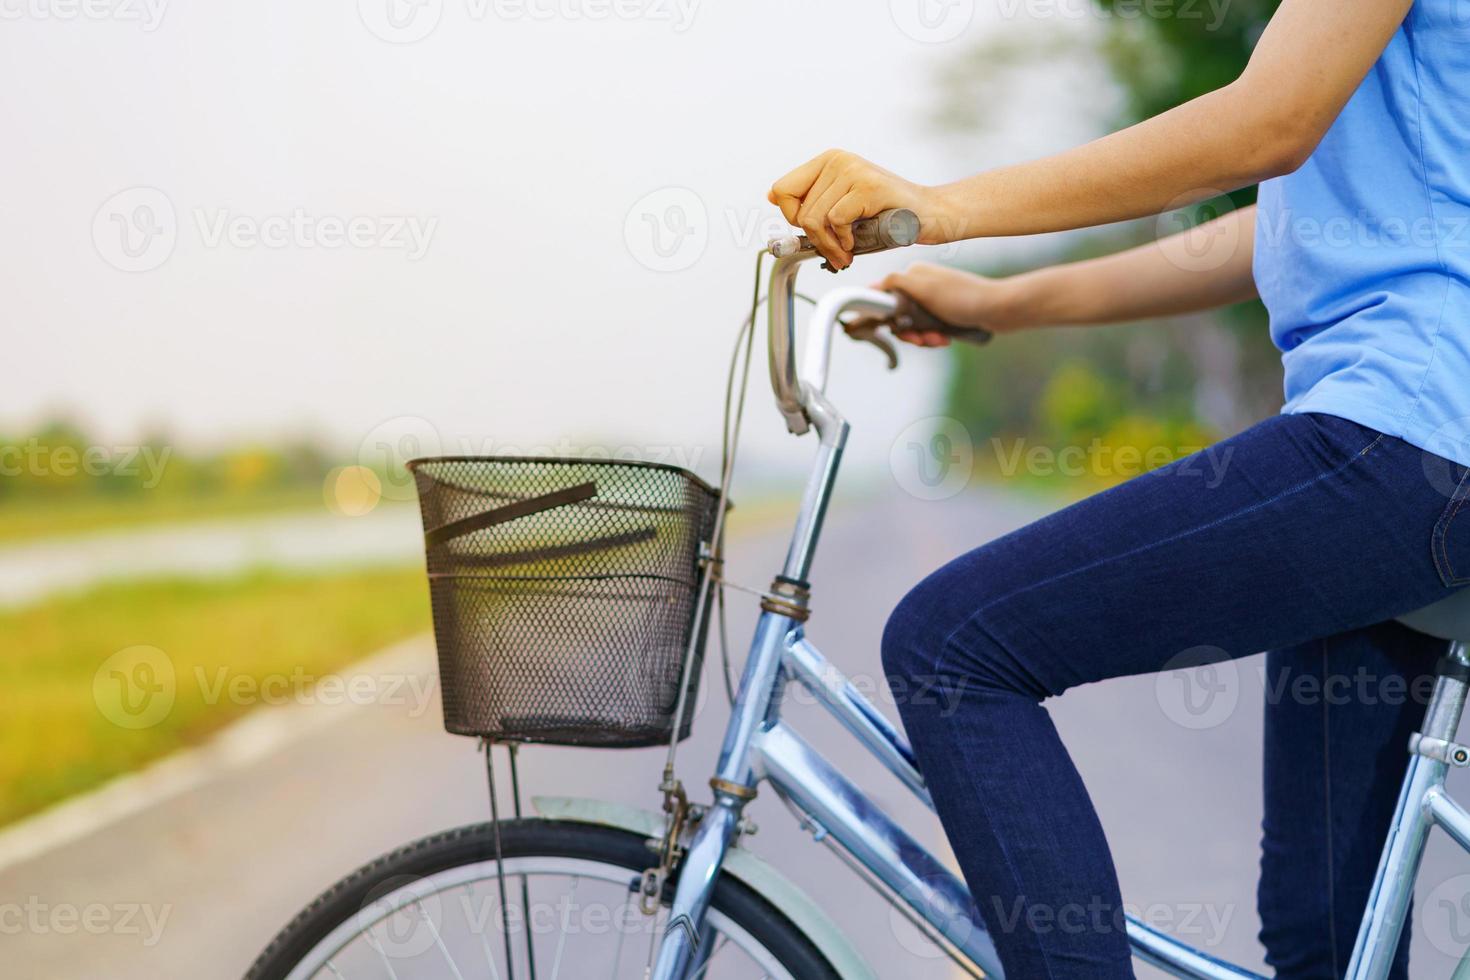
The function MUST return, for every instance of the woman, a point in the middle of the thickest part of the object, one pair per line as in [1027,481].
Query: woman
[1330,519]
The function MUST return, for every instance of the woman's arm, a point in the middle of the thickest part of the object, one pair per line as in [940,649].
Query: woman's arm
[1310,59]
[1199,269]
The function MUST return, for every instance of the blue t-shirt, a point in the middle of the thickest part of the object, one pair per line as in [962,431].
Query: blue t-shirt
[1362,256]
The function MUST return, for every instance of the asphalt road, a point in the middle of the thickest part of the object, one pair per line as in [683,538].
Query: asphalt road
[206,876]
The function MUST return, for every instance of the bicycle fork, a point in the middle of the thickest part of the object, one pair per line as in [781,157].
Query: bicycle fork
[734,787]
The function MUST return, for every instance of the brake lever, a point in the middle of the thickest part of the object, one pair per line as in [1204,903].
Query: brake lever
[908,315]
[866,328]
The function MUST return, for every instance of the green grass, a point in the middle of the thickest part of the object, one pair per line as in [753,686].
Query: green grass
[58,735]
[30,519]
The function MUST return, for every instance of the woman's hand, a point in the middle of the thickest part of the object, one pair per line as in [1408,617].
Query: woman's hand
[961,298]
[825,195]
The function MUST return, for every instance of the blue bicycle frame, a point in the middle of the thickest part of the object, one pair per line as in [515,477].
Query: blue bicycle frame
[760,747]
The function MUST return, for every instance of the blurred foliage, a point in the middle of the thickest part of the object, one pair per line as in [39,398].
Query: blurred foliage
[60,460]
[1164,388]
[254,630]
[60,479]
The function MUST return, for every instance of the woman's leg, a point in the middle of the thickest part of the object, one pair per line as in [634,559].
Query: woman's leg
[1304,526]
[1339,713]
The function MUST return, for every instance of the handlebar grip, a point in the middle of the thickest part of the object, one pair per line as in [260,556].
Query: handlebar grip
[893,228]
[909,315]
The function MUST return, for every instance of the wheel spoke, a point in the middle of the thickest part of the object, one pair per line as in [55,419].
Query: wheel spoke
[582,885]
[383,956]
[561,940]
[622,935]
[480,928]
[439,940]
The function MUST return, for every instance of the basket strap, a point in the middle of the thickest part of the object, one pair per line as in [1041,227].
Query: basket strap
[552,552]
[510,512]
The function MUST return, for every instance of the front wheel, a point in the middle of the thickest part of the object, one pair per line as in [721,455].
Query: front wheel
[432,909]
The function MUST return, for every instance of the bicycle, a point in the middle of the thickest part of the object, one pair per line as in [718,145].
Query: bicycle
[708,906]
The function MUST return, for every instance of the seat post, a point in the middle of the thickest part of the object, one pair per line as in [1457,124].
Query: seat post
[1432,751]
[1447,706]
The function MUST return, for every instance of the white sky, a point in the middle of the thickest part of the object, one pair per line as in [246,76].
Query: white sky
[520,142]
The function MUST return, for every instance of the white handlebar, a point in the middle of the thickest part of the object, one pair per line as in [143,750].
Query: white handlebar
[824,324]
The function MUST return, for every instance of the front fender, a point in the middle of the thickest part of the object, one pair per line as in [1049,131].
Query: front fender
[774,887]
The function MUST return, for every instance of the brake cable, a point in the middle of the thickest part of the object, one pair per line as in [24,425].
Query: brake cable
[676,802]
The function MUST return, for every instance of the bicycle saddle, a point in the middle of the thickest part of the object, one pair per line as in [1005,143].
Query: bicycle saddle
[1448,619]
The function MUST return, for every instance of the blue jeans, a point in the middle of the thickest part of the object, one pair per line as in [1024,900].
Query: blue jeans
[1304,536]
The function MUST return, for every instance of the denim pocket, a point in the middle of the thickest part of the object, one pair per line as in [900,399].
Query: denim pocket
[1452,540]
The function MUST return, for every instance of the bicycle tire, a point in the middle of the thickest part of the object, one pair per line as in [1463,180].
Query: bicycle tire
[531,838]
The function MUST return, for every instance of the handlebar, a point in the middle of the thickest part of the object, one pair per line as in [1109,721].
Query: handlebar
[797,397]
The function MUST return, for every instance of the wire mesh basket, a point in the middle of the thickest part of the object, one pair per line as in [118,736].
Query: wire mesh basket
[564,595]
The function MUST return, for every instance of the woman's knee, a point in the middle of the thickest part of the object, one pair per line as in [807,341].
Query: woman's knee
[909,637]
[935,643]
